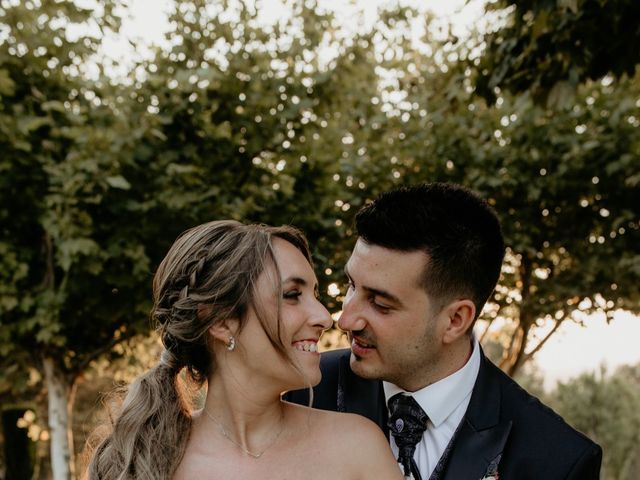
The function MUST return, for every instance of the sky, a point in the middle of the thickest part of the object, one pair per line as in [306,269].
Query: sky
[148,19]
[148,15]
[572,349]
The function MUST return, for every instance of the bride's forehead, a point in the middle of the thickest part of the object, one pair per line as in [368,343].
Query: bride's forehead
[291,261]
[286,252]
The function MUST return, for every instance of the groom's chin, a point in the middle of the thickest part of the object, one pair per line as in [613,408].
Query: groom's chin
[363,367]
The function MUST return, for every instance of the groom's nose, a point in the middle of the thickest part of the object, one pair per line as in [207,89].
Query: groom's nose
[351,318]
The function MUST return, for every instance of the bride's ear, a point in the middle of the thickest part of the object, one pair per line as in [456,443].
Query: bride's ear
[221,331]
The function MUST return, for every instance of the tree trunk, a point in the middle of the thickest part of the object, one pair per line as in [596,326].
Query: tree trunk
[511,350]
[517,356]
[60,396]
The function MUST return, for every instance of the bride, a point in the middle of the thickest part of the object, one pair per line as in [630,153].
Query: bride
[237,307]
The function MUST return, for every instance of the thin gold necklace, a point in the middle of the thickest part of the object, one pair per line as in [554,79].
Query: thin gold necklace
[248,452]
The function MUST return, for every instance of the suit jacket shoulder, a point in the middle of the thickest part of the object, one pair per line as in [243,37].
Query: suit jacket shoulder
[536,442]
[549,438]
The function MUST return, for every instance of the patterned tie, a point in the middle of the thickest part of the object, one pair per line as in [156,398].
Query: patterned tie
[407,423]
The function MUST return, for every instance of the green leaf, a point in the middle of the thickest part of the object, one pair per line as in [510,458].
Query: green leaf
[70,251]
[222,131]
[118,182]
[29,124]
[7,85]
[54,106]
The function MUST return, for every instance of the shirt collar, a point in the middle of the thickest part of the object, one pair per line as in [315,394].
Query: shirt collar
[441,398]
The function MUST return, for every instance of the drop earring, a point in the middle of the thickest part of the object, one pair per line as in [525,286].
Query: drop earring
[231,346]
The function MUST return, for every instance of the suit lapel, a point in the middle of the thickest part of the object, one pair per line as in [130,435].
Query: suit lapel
[361,396]
[482,435]
[481,438]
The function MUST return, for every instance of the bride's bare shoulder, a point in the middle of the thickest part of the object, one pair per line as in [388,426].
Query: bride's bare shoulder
[369,452]
[341,427]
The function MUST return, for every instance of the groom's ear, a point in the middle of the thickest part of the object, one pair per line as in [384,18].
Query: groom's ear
[460,315]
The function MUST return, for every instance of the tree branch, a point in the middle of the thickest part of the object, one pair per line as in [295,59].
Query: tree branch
[48,281]
[516,357]
[507,354]
[486,330]
[542,342]
[88,358]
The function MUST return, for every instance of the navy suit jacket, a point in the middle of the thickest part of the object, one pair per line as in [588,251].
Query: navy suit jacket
[503,424]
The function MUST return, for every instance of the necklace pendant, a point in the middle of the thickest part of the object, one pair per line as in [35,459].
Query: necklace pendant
[224,433]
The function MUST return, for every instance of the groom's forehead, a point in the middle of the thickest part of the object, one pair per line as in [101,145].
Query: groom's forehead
[385,266]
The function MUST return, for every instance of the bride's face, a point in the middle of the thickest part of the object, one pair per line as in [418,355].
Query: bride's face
[302,320]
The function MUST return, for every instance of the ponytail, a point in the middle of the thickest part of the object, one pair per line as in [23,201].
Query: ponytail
[214,265]
[151,432]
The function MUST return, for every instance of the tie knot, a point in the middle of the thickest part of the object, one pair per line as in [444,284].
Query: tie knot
[407,423]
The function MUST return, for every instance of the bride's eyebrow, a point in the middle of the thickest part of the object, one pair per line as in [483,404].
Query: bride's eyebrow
[294,279]
[299,281]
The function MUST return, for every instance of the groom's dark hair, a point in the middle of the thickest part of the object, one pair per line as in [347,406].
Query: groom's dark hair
[458,230]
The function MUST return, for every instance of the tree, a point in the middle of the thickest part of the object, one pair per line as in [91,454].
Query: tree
[60,182]
[101,177]
[548,48]
[238,119]
[563,181]
[605,407]
[253,121]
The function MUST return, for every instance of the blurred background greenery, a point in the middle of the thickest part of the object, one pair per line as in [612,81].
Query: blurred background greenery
[301,120]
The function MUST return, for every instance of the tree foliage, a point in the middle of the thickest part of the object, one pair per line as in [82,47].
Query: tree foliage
[548,48]
[563,181]
[297,122]
[99,178]
[606,407]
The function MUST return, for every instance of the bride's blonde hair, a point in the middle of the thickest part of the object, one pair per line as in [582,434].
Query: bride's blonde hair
[215,265]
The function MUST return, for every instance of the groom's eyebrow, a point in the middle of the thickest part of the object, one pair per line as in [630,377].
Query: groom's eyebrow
[375,291]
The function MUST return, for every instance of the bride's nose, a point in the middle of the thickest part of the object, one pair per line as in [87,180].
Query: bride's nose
[319,316]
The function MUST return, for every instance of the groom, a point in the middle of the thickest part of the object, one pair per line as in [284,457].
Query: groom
[426,260]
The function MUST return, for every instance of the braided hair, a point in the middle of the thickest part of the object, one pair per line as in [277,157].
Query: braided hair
[215,265]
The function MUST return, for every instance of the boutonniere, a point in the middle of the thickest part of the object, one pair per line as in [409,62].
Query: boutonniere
[492,470]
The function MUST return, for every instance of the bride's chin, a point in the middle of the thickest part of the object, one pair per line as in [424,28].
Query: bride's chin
[305,379]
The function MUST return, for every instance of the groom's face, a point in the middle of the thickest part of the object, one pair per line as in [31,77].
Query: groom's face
[394,326]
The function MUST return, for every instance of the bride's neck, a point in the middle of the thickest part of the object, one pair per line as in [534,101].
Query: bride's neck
[244,411]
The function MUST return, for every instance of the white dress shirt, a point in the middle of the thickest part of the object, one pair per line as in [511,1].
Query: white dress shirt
[445,402]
